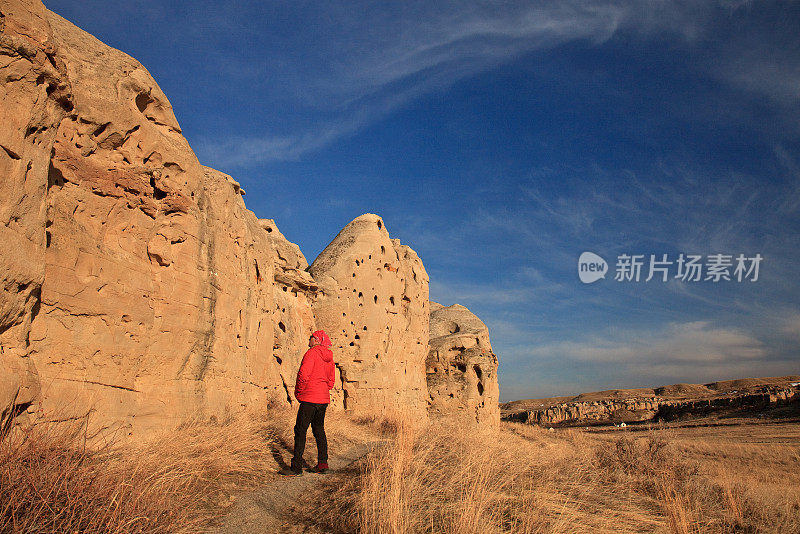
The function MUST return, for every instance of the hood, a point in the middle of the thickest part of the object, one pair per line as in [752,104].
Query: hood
[322,338]
[324,353]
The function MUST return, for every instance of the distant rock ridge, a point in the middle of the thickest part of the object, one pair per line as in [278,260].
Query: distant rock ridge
[138,289]
[660,404]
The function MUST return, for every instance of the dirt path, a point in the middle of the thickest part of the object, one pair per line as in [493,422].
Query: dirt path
[267,509]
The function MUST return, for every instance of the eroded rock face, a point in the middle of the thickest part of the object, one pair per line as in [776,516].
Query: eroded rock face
[461,367]
[157,300]
[294,291]
[654,407]
[137,287]
[36,96]
[374,306]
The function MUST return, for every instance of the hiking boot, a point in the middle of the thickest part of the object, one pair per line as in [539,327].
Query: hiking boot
[289,472]
[319,468]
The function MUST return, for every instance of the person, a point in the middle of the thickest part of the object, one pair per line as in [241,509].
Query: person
[315,378]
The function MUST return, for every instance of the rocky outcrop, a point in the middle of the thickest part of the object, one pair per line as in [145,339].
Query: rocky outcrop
[138,290]
[461,368]
[150,309]
[653,408]
[36,96]
[591,412]
[294,291]
[374,305]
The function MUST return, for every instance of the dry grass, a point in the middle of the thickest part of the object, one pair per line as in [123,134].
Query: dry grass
[179,482]
[435,478]
[522,479]
[50,481]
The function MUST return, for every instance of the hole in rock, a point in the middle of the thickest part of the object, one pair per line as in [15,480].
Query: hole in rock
[143,100]
[379,225]
[158,194]
[480,388]
[391,300]
[452,327]
[54,177]
[100,129]
[282,326]
[375,298]
[478,371]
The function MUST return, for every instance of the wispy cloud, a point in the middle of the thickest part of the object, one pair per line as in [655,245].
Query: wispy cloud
[693,342]
[349,67]
[486,295]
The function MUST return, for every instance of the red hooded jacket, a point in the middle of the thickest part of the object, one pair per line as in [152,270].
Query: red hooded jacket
[316,377]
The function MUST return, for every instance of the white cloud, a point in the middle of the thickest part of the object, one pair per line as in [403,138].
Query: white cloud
[356,65]
[790,325]
[677,344]
[482,294]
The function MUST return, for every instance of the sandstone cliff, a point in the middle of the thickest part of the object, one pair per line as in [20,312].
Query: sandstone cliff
[138,290]
[374,304]
[660,404]
[294,291]
[36,96]
[151,309]
[461,367]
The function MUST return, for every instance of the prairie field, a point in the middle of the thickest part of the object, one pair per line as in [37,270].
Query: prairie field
[520,478]
[433,477]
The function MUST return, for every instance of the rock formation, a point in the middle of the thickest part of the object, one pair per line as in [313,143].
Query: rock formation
[660,404]
[461,367]
[137,295]
[36,96]
[374,305]
[294,290]
[140,291]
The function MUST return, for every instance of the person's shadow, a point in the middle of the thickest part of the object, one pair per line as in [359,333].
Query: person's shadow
[278,446]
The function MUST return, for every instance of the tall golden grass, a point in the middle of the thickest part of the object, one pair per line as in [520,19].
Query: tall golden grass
[522,479]
[434,478]
[50,481]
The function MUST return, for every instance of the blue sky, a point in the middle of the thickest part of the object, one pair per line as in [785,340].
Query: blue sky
[501,140]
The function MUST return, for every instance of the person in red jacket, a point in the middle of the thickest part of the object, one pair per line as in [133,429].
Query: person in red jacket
[315,378]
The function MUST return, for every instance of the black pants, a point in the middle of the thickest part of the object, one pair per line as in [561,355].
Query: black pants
[314,415]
